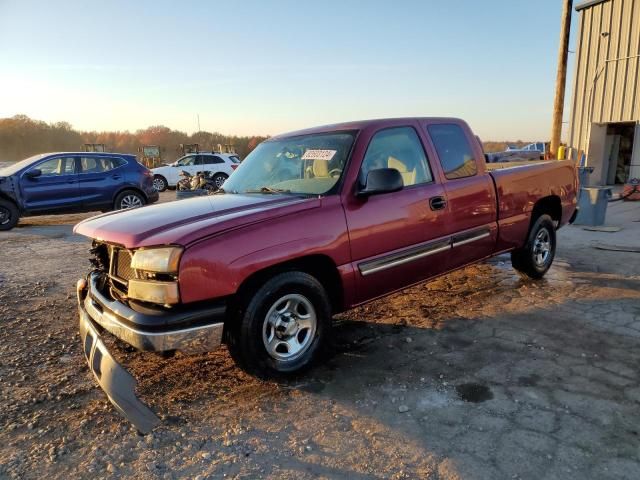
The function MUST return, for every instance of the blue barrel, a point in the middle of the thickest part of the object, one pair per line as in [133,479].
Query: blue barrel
[583,175]
[592,205]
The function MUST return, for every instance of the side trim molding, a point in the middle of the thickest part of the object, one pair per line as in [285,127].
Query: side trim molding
[459,240]
[406,256]
[415,253]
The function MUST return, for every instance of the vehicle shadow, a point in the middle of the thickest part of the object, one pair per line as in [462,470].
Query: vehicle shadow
[470,383]
[474,395]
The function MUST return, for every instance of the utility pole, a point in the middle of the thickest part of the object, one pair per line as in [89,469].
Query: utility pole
[199,123]
[561,78]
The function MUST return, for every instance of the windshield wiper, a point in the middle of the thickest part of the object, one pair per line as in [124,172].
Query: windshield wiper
[268,190]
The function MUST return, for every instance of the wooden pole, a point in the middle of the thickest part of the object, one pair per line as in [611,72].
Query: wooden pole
[561,78]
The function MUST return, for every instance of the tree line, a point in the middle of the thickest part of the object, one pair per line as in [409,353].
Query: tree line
[21,137]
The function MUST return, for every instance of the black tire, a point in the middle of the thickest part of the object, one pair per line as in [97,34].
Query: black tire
[160,183]
[536,257]
[249,326]
[129,199]
[219,179]
[9,215]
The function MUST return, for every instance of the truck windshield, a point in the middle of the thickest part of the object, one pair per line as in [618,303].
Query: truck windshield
[308,164]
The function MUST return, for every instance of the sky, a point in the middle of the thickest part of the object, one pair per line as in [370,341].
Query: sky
[252,67]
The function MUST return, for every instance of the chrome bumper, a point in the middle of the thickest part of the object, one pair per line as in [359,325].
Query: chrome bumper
[117,383]
[188,340]
[97,312]
[154,335]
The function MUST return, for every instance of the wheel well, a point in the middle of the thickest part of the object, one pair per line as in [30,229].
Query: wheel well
[134,189]
[6,197]
[551,206]
[320,267]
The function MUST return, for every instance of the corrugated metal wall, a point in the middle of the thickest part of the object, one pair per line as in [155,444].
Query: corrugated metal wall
[607,82]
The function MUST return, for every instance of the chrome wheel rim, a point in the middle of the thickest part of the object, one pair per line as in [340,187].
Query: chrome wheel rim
[130,201]
[289,327]
[542,247]
[158,184]
[5,216]
[219,181]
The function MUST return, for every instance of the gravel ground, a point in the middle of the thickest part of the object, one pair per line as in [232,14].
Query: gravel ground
[480,374]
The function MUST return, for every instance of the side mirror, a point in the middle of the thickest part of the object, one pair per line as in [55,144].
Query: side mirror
[33,173]
[382,180]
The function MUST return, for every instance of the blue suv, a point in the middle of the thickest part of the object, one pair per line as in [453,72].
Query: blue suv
[73,182]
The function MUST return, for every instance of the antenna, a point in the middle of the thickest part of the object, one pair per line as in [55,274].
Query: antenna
[198,115]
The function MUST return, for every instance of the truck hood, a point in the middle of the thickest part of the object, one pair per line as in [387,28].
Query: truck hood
[186,221]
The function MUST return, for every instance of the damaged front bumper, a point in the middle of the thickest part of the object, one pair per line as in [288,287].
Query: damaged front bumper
[188,329]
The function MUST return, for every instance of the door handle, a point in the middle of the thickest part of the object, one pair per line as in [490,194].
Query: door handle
[437,203]
[116,177]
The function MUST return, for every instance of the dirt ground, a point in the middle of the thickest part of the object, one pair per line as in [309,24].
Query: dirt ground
[478,375]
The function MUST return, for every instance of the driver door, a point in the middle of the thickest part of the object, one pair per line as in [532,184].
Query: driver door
[56,188]
[397,239]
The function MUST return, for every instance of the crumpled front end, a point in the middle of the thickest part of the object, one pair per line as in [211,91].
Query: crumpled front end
[104,308]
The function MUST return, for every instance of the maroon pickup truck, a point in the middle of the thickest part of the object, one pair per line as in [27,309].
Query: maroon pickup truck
[312,223]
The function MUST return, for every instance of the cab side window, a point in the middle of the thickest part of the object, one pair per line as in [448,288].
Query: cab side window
[187,161]
[211,159]
[398,148]
[454,151]
[57,166]
[98,165]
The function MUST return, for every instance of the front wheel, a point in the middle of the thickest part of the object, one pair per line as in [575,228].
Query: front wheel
[283,327]
[129,199]
[9,215]
[536,257]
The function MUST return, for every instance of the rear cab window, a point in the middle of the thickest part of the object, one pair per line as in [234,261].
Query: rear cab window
[454,150]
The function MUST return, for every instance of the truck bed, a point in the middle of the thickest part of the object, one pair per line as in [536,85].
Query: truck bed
[520,185]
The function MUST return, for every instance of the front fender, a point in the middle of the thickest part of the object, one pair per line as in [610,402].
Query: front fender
[217,267]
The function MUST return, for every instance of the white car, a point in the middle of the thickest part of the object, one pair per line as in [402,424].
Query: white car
[221,165]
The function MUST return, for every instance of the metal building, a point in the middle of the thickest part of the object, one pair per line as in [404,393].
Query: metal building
[605,109]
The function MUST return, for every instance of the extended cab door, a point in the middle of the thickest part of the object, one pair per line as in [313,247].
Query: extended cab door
[54,189]
[397,238]
[471,196]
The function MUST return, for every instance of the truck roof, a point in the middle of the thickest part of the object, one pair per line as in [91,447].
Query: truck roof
[360,124]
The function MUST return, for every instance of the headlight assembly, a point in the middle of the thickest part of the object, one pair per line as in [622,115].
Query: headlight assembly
[157,260]
[156,271]
[164,293]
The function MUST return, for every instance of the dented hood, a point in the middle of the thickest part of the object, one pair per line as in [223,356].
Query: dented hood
[186,221]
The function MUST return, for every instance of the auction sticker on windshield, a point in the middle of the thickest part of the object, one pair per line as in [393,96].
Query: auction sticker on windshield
[319,155]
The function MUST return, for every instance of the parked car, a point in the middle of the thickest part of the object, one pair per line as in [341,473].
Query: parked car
[310,224]
[221,165]
[72,182]
[533,151]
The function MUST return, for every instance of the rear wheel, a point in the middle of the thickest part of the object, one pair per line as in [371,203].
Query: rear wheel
[9,215]
[283,327]
[160,183]
[129,199]
[536,257]
[219,179]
